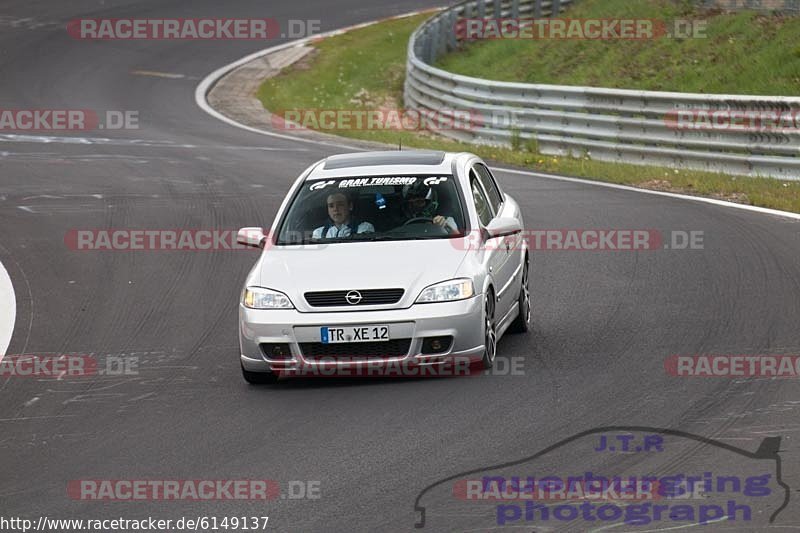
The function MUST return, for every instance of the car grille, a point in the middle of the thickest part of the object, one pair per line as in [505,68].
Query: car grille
[368,297]
[356,350]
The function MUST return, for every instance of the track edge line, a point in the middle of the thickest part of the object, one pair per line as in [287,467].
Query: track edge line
[8,312]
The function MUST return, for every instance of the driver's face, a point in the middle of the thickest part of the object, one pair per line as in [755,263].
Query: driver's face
[338,208]
[415,204]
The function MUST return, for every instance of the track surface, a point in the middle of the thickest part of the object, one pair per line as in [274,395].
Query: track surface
[604,321]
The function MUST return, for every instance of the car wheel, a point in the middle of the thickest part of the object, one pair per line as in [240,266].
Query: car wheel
[489,332]
[522,323]
[258,378]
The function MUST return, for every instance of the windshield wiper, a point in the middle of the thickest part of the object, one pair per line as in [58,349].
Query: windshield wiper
[364,237]
[405,238]
[379,238]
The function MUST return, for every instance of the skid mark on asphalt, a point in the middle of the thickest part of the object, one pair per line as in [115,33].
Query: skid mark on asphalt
[63,209]
[204,194]
[27,23]
[25,418]
[93,397]
[142,397]
[76,140]
[684,526]
[32,401]
[201,198]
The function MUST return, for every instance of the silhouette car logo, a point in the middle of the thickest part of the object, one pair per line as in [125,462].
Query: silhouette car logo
[434,181]
[507,494]
[321,185]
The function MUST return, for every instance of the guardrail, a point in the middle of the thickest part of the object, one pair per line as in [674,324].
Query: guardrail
[789,7]
[640,127]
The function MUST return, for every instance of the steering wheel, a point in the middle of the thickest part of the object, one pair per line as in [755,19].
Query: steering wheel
[435,229]
[417,220]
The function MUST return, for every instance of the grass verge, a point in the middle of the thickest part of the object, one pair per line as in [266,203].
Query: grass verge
[738,53]
[364,69]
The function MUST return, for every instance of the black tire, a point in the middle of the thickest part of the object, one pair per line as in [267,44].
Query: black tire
[489,332]
[522,324]
[258,378]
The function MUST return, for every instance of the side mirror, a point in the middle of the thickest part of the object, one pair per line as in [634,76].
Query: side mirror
[251,237]
[500,227]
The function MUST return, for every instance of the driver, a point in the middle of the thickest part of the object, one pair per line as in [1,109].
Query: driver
[422,201]
[341,222]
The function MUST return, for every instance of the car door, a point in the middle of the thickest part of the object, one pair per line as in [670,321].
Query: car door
[496,253]
[510,246]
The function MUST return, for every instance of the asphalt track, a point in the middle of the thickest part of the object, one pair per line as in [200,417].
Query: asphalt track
[604,321]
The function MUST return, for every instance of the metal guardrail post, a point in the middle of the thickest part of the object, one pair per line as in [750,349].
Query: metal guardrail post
[426,46]
[514,8]
[450,31]
[537,9]
[555,8]
[441,38]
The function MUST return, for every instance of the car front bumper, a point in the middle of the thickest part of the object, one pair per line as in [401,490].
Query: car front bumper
[462,320]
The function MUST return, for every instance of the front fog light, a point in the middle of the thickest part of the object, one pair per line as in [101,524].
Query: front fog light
[434,345]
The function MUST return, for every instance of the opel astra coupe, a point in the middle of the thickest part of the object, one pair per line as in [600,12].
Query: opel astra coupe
[409,257]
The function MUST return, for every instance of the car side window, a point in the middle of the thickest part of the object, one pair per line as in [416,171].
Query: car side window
[489,186]
[482,205]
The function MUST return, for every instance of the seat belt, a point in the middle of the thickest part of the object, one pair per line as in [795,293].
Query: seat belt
[353,227]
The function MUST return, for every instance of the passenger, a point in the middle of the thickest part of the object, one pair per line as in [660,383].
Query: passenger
[341,222]
[422,201]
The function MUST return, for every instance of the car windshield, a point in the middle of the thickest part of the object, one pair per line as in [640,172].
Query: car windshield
[374,208]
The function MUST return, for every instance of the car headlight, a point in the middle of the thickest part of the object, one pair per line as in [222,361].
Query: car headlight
[447,291]
[261,298]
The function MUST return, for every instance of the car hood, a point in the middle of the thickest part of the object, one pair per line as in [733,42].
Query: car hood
[409,265]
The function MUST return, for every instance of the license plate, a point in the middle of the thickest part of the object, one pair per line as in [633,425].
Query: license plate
[333,335]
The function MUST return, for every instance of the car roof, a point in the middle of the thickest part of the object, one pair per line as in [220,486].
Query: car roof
[373,159]
[384,163]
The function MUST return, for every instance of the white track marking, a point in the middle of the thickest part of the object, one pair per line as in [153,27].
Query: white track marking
[8,310]
[713,201]
[208,82]
[87,141]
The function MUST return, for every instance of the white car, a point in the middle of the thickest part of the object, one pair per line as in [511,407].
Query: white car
[409,258]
